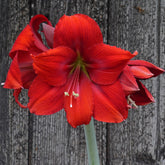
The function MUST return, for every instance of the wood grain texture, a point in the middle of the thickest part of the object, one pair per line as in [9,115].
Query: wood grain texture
[4,114]
[26,139]
[135,25]
[162,85]
[14,120]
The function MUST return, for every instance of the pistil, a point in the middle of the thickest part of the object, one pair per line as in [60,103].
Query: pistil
[73,87]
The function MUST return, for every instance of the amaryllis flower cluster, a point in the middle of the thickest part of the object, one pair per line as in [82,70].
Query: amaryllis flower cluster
[76,71]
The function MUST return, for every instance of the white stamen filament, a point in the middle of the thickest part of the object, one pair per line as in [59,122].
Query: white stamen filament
[73,86]
[131,102]
[73,94]
[71,102]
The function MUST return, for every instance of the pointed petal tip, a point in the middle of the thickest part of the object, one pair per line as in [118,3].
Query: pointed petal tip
[76,125]
[162,70]
[152,99]
[155,70]
[135,53]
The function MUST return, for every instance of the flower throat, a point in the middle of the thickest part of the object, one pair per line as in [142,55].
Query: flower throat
[73,86]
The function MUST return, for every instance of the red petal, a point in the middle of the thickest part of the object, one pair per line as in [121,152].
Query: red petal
[16,95]
[82,106]
[105,63]
[77,32]
[152,68]
[45,99]
[110,104]
[25,42]
[25,65]
[128,81]
[35,24]
[143,96]
[49,33]
[53,66]
[29,39]
[13,80]
[36,21]
[21,73]
[141,72]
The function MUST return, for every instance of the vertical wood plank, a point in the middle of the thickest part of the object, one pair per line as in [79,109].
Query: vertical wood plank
[4,114]
[14,120]
[18,128]
[134,26]
[161,154]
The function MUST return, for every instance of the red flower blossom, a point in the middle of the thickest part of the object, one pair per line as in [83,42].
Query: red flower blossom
[138,70]
[21,73]
[80,74]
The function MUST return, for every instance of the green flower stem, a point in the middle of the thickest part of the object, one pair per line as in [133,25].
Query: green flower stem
[90,136]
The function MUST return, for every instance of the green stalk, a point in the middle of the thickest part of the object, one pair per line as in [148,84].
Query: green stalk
[90,137]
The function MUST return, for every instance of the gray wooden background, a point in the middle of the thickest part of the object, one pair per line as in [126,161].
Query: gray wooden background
[26,139]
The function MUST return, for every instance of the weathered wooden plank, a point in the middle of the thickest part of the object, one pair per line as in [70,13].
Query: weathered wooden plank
[4,114]
[14,121]
[161,154]
[134,26]
[54,141]
[18,18]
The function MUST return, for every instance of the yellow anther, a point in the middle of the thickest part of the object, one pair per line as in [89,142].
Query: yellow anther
[75,94]
[66,93]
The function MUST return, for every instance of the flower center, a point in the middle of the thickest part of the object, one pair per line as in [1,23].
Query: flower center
[79,63]
[73,85]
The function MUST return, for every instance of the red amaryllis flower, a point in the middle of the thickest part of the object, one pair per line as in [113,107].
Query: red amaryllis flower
[21,73]
[138,70]
[80,74]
